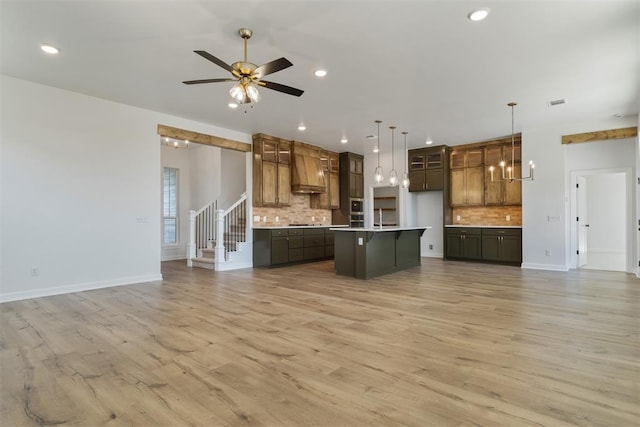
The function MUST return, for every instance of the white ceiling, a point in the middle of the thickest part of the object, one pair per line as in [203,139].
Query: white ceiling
[419,65]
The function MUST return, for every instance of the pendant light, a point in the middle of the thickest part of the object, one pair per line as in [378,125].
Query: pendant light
[509,175]
[405,176]
[378,175]
[393,176]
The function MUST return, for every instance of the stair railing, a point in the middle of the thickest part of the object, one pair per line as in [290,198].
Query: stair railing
[232,226]
[202,230]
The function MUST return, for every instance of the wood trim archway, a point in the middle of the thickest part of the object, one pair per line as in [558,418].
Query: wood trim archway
[203,138]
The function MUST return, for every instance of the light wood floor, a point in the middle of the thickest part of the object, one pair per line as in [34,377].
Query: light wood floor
[444,344]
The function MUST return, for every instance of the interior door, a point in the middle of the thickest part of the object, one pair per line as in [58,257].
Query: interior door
[582,220]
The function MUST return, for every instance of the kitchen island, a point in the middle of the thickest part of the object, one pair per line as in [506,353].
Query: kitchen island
[365,253]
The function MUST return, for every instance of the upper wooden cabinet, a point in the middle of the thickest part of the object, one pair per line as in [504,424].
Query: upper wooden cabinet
[271,171]
[467,177]
[426,168]
[501,192]
[330,199]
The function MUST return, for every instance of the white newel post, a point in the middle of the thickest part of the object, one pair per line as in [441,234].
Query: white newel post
[191,248]
[219,236]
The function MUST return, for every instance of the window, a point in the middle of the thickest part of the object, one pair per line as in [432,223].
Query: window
[170,206]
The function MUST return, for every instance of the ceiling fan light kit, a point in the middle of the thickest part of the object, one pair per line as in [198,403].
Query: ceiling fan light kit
[247,75]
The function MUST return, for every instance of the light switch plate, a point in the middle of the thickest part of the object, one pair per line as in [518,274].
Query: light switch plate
[360,241]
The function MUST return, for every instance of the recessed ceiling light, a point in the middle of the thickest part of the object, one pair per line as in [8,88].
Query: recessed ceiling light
[375,149]
[370,136]
[344,140]
[428,141]
[302,128]
[478,14]
[49,49]
[233,105]
[320,73]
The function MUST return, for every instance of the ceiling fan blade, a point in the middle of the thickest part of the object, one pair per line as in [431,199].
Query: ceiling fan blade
[272,67]
[196,82]
[281,88]
[218,62]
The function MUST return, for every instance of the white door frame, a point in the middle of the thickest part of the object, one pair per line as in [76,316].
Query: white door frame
[574,212]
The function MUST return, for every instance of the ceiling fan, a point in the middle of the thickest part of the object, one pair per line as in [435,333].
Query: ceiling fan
[248,75]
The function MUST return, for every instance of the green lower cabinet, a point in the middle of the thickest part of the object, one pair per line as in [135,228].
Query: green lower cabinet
[464,243]
[279,250]
[500,245]
[282,246]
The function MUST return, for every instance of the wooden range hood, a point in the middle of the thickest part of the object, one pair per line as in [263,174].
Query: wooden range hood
[307,175]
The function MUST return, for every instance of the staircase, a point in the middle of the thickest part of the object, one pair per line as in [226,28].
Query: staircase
[218,238]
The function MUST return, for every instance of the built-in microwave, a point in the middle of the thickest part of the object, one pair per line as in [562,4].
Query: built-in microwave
[356,220]
[357,206]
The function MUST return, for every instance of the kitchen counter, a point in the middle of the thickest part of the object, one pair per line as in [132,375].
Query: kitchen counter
[276,227]
[484,226]
[383,229]
[365,253]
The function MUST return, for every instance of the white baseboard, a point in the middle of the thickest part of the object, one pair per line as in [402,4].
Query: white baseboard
[78,287]
[227,266]
[550,267]
[432,254]
[174,258]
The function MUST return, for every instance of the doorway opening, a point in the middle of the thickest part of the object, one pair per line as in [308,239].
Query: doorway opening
[600,216]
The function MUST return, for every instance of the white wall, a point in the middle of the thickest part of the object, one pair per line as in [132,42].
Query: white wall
[232,177]
[80,190]
[429,210]
[205,175]
[546,201]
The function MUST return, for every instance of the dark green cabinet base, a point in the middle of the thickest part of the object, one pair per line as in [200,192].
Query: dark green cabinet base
[283,246]
[368,254]
[499,245]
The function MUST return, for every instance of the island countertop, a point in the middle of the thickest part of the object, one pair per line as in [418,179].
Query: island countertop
[277,227]
[383,229]
[481,226]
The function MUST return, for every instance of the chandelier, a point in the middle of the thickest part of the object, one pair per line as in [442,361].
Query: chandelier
[508,171]
[378,175]
[405,176]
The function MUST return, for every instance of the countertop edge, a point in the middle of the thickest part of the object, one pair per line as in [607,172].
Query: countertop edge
[382,230]
[482,226]
[286,227]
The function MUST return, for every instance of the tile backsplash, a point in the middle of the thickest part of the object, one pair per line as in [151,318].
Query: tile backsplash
[487,215]
[299,212]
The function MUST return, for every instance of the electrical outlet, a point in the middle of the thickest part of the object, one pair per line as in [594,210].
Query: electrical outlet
[256,218]
[277,219]
[430,247]
[264,219]
[508,217]
[547,252]
[458,218]
[35,271]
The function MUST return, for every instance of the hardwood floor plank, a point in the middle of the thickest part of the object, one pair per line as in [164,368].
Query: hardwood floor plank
[444,344]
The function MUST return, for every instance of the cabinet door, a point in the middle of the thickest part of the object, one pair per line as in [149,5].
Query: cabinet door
[279,250]
[511,249]
[355,165]
[454,244]
[269,151]
[434,179]
[474,184]
[417,160]
[458,191]
[493,191]
[472,246]
[417,180]
[334,190]
[356,186]
[434,159]
[269,183]
[284,185]
[457,159]
[491,248]
[284,152]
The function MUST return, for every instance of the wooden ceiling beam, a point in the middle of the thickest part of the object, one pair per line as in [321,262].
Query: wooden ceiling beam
[600,135]
[202,138]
